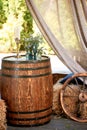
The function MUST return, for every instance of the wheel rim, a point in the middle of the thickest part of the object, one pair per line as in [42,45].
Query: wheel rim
[74,102]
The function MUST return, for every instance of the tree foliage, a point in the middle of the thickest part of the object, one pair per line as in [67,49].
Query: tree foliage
[3,17]
[11,12]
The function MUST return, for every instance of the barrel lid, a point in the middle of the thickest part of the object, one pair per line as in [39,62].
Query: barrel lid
[22,59]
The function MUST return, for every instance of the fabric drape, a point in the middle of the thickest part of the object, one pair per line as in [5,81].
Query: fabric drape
[61,25]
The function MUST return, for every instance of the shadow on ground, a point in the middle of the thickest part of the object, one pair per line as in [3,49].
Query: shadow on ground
[55,124]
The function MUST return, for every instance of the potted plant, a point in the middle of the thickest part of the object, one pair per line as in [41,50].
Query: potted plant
[33,48]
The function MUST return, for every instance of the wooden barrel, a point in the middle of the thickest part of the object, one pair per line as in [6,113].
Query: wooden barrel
[27,88]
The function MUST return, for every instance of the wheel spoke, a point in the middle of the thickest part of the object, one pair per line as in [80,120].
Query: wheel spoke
[76,81]
[65,95]
[84,79]
[70,98]
[72,89]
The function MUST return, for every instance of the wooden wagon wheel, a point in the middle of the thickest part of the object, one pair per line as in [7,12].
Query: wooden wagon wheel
[74,99]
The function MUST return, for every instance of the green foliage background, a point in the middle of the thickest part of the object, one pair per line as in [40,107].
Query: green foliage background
[12,12]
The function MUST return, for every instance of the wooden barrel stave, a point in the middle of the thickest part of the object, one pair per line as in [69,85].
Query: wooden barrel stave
[31,107]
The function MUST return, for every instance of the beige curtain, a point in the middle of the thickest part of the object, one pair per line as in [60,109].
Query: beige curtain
[61,24]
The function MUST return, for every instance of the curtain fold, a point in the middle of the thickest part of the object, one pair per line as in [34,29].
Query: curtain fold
[81,20]
[84,5]
[77,23]
[61,35]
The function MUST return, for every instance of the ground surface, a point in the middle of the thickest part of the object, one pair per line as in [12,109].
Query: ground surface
[55,124]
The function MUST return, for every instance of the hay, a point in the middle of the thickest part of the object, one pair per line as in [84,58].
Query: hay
[83,104]
[57,109]
[70,99]
[2,115]
[74,106]
[0,81]
[83,110]
[56,77]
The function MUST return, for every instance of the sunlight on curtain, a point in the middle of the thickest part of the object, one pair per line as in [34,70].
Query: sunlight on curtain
[55,20]
[48,9]
[58,17]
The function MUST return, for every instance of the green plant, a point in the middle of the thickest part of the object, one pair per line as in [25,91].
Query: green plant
[33,48]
